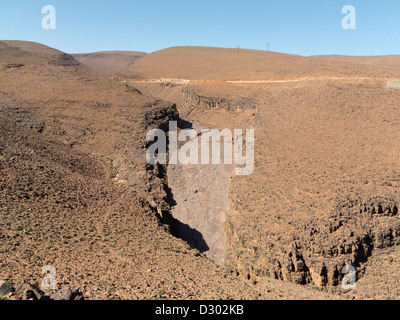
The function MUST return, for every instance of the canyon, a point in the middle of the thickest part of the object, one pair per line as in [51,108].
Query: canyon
[323,194]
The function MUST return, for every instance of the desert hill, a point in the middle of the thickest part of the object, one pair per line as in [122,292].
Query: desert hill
[109,62]
[77,193]
[13,56]
[58,207]
[324,192]
[48,54]
[87,111]
[60,204]
[208,63]
[390,61]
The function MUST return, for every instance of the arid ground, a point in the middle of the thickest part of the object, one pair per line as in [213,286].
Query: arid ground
[77,193]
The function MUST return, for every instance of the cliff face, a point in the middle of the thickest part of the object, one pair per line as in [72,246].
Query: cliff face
[324,193]
[130,162]
[199,198]
[319,251]
[94,115]
[195,99]
[197,194]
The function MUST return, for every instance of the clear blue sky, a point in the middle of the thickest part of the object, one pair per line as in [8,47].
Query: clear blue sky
[304,27]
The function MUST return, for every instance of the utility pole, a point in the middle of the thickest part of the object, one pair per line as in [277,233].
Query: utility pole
[238,48]
[268,46]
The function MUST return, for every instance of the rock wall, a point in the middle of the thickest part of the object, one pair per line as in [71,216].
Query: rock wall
[353,231]
[131,165]
[199,197]
[194,99]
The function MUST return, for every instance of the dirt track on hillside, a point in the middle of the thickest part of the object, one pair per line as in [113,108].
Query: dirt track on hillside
[243,81]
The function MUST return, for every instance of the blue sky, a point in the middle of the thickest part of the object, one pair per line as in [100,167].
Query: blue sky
[304,27]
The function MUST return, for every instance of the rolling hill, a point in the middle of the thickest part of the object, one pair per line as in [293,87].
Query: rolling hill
[48,54]
[208,63]
[76,191]
[14,56]
[109,62]
[391,61]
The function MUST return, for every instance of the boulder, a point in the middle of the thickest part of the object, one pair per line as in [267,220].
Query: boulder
[5,287]
[67,294]
[27,291]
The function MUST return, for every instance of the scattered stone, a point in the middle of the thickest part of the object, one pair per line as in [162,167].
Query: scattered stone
[62,294]
[67,294]
[5,287]
[27,291]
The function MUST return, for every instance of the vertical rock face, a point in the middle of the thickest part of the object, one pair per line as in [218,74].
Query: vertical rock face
[130,160]
[320,250]
[324,193]
[198,194]
[194,99]
[200,203]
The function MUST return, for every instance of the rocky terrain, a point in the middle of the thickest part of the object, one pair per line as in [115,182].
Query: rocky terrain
[27,291]
[49,55]
[324,193]
[78,194]
[331,195]
[60,208]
